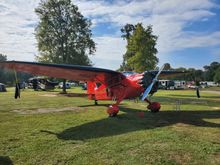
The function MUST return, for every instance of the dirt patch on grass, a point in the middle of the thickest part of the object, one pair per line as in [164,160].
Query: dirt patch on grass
[181,158]
[50,110]
[73,94]
[178,125]
[49,95]
[66,94]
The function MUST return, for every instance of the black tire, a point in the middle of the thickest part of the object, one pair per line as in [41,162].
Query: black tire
[154,110]
[113,115]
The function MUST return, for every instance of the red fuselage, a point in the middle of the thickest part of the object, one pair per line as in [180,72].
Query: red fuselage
[127,88]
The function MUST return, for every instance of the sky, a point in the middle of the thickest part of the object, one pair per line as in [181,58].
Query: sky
[188,31]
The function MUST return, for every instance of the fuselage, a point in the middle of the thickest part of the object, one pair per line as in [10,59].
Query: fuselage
[129,87]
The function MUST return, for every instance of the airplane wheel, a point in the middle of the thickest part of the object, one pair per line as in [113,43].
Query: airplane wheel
[154,107]
[113,110]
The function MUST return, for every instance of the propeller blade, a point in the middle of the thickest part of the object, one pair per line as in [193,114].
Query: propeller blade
[147,91]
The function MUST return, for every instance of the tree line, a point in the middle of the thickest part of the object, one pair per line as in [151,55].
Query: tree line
[209,73]
[8,76]
[141,53]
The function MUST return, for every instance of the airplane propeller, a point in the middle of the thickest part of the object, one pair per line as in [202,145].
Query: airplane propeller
[149,88]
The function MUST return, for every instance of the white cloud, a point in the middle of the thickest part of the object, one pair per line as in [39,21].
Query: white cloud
[17,20]
[168,17]
[109,52]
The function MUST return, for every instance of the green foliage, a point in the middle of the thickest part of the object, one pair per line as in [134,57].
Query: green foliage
[63,34]
[197,75]
[141,50]
[8,77]
[3,57]
[127,30]
[210,70]
[167,66]
[217,75]
[2,73]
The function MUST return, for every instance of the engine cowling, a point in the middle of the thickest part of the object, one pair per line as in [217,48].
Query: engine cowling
[147,79]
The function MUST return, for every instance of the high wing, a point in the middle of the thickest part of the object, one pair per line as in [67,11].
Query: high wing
[70,72]
[167,73]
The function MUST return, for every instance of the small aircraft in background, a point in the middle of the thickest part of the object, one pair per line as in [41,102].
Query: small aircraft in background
[102,84]
[41,83]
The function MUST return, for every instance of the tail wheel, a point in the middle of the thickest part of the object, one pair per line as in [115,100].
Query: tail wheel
[154,107]
[113,110]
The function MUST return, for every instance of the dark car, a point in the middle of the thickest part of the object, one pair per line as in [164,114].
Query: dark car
[2,88]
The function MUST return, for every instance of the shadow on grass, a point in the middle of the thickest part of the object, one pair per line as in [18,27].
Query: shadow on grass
[194,96]
[101,105]
[187,100]
[74,94]
[5,160]
[134,120]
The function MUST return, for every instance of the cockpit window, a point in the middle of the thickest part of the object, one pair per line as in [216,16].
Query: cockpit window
[98,84]
[127,73]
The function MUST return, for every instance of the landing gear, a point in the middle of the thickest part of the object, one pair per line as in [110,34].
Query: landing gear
[154,107]
[113,110]
[96,102]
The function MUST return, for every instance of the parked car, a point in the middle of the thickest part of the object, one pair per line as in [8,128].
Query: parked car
[2,88]
[84,86]
[41,83]
[192,86]
[68,85]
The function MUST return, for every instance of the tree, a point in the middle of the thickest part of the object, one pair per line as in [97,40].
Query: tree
[127,31]
[217,75]
[141,50]
[63,34]
[3,57]
[210,70]
[2,71]
[8,76]
[167,66]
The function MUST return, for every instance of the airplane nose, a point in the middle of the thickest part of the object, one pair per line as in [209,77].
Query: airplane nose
[146,80]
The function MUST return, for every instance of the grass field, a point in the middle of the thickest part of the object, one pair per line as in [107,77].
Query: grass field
[48,128]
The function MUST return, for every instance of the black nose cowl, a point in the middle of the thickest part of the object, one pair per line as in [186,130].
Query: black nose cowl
[147,79]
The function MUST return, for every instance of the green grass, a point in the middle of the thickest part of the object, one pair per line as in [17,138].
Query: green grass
[212,88]
[36,130]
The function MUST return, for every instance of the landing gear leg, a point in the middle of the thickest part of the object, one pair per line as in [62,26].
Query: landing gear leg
[96,102]
[153,106]
[113,110]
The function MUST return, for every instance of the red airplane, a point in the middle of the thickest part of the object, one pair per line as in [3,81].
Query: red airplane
[102,84]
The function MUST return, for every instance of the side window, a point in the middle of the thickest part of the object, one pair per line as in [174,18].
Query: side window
[98,85]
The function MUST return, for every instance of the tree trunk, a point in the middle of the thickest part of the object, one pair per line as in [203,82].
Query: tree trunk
[64,86]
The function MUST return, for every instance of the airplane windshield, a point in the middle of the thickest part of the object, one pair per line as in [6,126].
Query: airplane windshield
[127,73]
